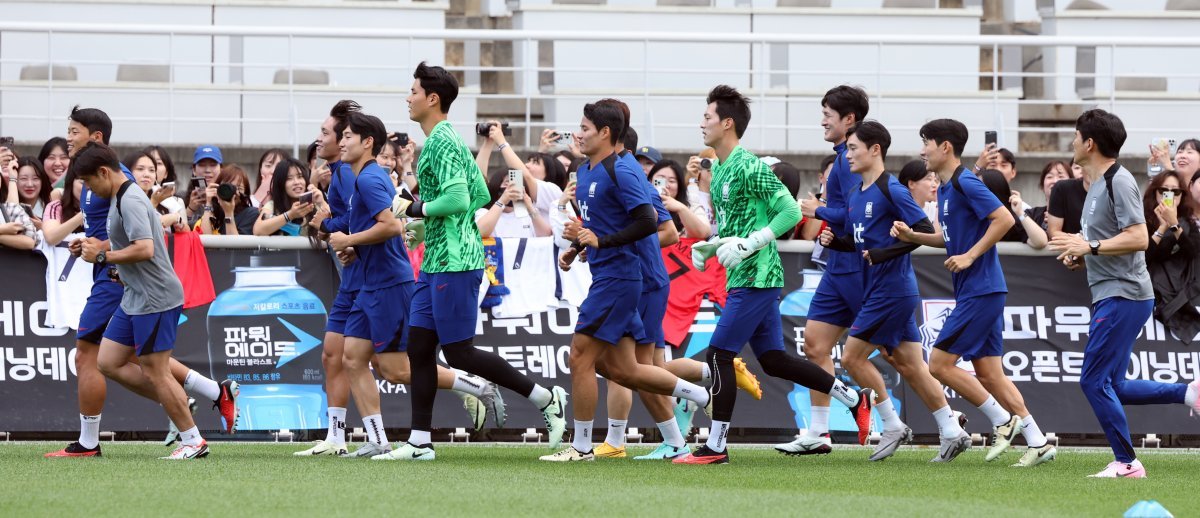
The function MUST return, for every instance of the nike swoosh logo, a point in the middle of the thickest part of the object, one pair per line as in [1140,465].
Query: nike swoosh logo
[560,410]
[416,455]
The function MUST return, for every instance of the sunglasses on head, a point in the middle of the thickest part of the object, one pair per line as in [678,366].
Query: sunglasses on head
[1176,192]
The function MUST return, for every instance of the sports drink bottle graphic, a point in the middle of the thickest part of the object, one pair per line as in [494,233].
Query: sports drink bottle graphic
[263,333]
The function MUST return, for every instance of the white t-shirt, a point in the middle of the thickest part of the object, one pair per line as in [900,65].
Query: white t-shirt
[529,266]
[548,195]
[68,281]
[510,224]
[701,204]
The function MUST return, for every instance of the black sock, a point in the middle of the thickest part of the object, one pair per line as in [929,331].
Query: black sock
[422,359]
[463,355]
[724,385]
[797,370]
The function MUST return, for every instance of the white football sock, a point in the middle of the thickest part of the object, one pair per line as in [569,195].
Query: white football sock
[717,435]
[947,425]
[540,396]
[191,437]
[336,433]
[843,393]
[616,433]
[887,412]
[671,434]
[198,385]
[582,440]
[705,374]
[691,392]
[1033,435]
[820,421]
[419,437]
[994,412]
[374,425]
[469,384]
[89,430]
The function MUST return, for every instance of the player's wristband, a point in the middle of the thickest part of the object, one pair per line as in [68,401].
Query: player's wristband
[416,209]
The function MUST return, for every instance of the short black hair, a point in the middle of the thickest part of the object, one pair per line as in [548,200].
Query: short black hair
[47,148]
[132,157]
[789,175]
[365,126]
[826,162]
[913,171]
[94,120]
[1007,156]
[340,112]
[605,115]
[1105,129]
[310,154]
[93,156]
[628,121]
[846,100]
[436,80]
[870,133]
[946,130]
[731,104]
[630,139]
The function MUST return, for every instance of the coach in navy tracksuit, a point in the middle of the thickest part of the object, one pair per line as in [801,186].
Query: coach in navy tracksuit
[1111,245]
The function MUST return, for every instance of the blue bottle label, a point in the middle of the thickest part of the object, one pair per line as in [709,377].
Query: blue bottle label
[267,348]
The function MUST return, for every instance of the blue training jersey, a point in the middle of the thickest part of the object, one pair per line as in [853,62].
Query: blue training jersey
[964,219]
[838,185]
[871,215]
[605,207]
[654,272]
[341,189]
[385,264]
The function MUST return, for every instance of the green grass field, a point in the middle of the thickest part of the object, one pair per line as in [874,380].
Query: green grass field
[265,480]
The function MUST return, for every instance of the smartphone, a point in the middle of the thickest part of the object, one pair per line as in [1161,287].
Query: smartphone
[7,142]
[1168,198]
[573,177]
[661,185]
[168,185]
[306,197]
[1166,146]
[564,138]
[989,137]
[199,183]
[514,178]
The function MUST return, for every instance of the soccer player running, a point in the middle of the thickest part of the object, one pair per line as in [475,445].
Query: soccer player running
[1111,246]
[652,305]
[753,207]
[93,125]
[839,294]
[445,305]
[616,212]
[973,221]
[337,388]
[136,347]
[886,321]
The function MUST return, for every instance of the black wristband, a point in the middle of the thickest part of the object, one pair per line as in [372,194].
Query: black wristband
[416,209]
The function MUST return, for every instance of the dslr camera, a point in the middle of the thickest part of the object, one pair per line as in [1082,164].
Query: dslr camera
[483,128]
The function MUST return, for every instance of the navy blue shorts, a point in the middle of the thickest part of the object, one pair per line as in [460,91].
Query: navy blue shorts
[101,305]
[447,303]
[149,333]
[339,311]
[838,299]
[975,329]
[887,321]
[609,314]
[380,316]
[652,308]
[750,315]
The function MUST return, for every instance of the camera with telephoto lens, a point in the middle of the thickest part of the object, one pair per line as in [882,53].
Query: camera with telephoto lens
[705,163]
[483,128]
[226,191]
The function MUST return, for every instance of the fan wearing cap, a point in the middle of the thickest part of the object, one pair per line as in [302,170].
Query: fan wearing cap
[648,157]
[206,166]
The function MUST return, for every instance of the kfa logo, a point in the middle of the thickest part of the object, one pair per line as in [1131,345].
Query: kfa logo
[946,208]
[725,191]
[867,211]
[592,190]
